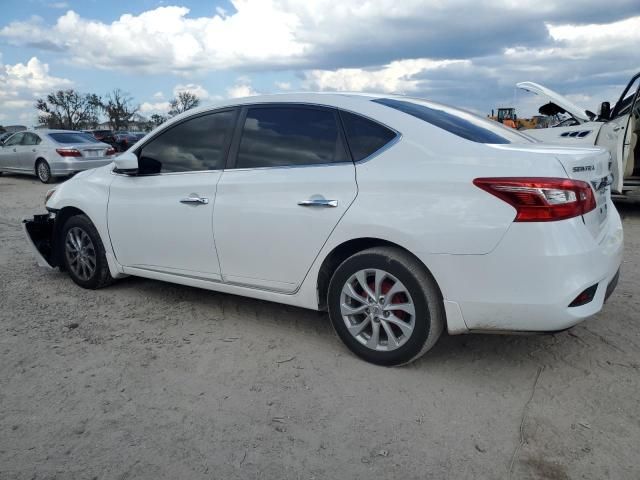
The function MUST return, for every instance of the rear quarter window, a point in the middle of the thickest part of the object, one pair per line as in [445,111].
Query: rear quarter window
[364,136]
[458,122]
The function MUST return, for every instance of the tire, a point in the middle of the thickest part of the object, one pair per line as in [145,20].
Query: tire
[412,287]
[90,268]
[43,171]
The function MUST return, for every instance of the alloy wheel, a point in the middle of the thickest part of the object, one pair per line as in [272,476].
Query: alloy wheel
[377,309]
[80,252]
[43,172]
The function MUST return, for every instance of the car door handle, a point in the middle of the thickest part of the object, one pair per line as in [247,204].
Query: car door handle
[318,202]
[616,129]
[195,199]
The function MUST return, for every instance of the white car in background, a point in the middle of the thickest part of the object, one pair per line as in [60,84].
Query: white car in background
[52,153]
[401,217]
[615,129]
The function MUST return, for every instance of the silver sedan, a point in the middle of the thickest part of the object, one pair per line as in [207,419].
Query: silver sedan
[51,153]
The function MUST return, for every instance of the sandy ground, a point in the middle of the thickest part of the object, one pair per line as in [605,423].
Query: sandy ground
[150,380]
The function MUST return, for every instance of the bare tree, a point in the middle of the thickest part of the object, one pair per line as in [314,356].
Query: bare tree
[119,108]
[183,102]
[68,109]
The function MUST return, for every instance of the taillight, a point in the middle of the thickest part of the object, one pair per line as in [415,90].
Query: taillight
[68,152]
[541,199]
[111,151]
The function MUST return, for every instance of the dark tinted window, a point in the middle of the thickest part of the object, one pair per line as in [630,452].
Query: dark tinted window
[364,136]
[14,139]
[458,122]
[68,138]
[30,139]
[196,144]
[276,136]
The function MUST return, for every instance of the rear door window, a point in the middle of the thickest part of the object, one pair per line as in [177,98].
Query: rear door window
[31,139]
[364,136]
[290,136]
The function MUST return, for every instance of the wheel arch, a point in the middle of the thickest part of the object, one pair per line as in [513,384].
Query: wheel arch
[35,164]
[348,248]
[62,216]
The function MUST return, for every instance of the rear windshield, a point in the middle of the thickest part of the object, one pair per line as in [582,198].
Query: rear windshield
[460,123]
[72,137]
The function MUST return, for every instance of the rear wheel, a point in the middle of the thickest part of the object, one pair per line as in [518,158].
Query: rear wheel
[385,306]
[83,253]
[43,171]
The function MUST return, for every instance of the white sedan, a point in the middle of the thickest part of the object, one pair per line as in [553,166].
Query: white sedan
[51,153]
[615,129]
[401,217]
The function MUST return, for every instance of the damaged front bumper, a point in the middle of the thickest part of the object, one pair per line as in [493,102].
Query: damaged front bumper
[39,231]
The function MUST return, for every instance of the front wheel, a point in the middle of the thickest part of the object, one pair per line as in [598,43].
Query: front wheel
[43,171]
[385,306]
[83,253]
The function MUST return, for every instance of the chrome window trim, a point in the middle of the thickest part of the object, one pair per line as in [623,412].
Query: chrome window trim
[190,172]
[382,149]
[248,169]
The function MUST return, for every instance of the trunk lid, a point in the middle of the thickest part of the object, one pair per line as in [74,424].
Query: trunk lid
[591,165]
[93,151]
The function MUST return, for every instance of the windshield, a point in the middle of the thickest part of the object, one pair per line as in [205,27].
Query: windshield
[67,138]
[459,122]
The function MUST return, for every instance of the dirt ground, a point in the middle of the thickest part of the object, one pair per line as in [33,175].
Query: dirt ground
[148,380]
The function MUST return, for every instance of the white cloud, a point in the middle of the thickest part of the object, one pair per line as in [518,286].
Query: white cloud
[396,77]
[158,96]
[242,88]
[21,83]
[197,90]
[166,39]
[283,85]
[149,108]
[32,77]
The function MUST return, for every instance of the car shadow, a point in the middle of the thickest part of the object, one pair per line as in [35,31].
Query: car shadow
[33,178]
[484,350]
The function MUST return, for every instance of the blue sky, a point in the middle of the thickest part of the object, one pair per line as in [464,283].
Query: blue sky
[461,52]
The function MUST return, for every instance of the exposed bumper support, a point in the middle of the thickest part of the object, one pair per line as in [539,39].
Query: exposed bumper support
[39,232]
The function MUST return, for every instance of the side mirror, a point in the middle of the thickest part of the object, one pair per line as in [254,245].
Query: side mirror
[126,162]
[605,111]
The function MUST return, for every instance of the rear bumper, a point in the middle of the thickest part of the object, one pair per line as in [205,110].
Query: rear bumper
[72,165]
[527,283]
[39,233]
